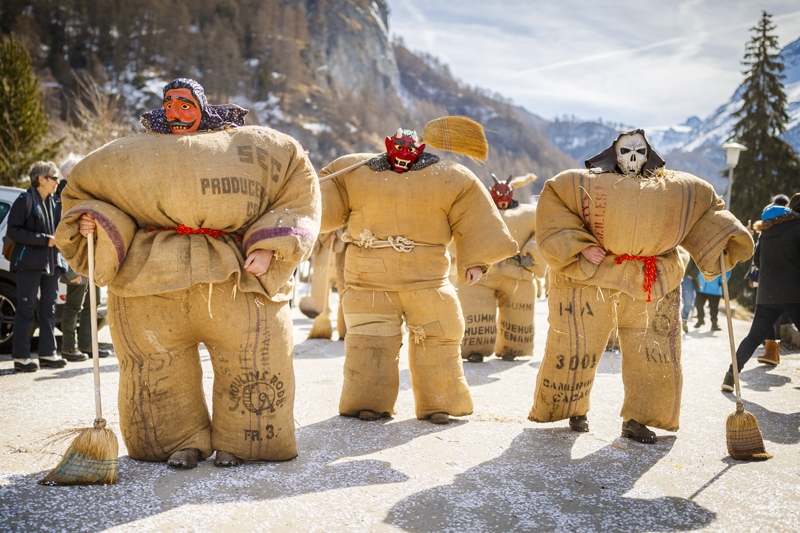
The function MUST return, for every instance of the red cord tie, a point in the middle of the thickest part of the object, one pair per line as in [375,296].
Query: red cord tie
[650,272]
[186,230]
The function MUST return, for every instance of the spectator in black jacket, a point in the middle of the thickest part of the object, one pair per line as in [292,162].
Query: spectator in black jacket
[777,255]
[38,265]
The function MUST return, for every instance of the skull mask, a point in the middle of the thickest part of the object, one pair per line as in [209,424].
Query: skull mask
[502,193]
[631,153]
[403,150]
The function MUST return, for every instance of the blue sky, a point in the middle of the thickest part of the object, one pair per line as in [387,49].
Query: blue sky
[643,63]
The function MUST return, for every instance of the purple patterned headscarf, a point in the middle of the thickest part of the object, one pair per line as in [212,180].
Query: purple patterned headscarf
[214,117]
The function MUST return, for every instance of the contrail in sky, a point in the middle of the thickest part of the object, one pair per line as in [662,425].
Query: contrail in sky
[650,46]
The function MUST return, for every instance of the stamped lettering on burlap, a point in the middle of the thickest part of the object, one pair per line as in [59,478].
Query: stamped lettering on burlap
[256,392]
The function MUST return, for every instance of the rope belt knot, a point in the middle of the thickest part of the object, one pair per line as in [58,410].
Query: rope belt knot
[650,272]
[369,240]
[186,230]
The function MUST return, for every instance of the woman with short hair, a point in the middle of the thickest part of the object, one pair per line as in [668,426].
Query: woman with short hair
[38,264]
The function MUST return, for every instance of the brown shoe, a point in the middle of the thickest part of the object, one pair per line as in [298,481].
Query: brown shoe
[227,459]
[440,418]
[638,432]
[772,353]
[186,458]
[579,424]
[369,416]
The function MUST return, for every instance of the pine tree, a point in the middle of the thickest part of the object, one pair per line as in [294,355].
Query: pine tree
[23,122]
[769,166]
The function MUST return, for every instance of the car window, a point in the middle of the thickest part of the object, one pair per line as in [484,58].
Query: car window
[4,209]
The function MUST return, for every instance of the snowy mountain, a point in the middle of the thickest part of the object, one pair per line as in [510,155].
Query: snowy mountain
[705,137]
[695,145]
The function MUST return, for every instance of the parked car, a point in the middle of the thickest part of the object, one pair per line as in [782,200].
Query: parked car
[8,284]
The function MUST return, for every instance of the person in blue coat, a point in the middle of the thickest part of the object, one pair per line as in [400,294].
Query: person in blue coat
[709,291]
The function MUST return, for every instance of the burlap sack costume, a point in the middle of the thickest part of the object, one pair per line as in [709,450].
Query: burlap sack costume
[328,272]
[498,309]
[396,269]
[625,215]
[170,291]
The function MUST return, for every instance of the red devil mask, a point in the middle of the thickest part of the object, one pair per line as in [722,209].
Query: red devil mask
[403,150]
[502,193]
[183,111]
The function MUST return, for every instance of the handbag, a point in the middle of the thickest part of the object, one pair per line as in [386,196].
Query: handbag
[8,244]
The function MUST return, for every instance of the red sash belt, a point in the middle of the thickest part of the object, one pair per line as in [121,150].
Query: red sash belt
[650,273]
[186,230]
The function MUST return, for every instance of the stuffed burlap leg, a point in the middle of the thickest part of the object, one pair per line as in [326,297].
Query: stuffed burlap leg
[650,341]
[435,327]
[515,320]
[249,339]
[580,322]
[341,325]
[162,407]
[479,307]
[321,278]
[372,352]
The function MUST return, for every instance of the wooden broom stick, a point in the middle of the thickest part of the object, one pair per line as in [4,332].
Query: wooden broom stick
[92,457]
[742,433]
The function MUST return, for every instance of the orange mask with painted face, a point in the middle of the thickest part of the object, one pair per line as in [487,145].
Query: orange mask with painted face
[182,110]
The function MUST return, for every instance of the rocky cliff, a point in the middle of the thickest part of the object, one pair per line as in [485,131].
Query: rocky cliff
[324,71]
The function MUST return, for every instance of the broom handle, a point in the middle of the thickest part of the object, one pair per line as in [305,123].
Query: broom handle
[348,169]
[95,349]
[734,364]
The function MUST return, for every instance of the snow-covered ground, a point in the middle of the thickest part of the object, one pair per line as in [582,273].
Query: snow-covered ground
[491,471]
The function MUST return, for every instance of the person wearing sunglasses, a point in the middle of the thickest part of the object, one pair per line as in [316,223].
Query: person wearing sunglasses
[38,265]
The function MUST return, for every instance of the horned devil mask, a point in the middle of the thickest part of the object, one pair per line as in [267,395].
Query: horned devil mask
[403,150]
[502,193]
[631,152]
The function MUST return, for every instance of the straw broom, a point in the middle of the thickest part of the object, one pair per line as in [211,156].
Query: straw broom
[91,459]
[741,429]
[457,134]
[321,329]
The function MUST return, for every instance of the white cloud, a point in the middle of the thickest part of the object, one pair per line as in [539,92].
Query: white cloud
[643,63]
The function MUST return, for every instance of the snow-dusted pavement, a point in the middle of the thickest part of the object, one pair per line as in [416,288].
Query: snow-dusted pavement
[492,471]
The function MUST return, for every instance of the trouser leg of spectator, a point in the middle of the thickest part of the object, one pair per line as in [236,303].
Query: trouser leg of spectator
[699,303]
[85,328]
[687,298]
[47,314]
[27,288]
[76,294]
[713,308]
[763,320]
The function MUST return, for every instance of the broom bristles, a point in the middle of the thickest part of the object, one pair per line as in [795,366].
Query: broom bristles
[521,181]
[91,459]
[457,134]
[321,329]
[743,436]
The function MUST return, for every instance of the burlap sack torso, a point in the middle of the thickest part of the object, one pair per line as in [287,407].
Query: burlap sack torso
[251,182]
[521,223]
[638,217]
[431,206]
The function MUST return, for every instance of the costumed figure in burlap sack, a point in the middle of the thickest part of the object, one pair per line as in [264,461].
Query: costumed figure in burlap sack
[498,309]
[402,209]
[610,235]
[197,238]
[326,272]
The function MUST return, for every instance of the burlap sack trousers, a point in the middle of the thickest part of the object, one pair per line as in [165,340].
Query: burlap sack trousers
[372,351]
[161,401]
[498,313]
[581,320]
